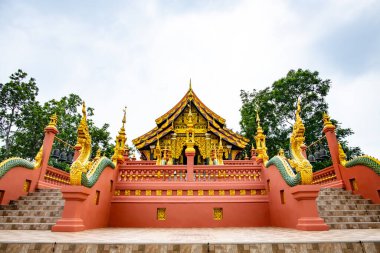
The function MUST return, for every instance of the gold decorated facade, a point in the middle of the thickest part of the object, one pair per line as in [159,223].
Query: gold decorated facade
[190,121]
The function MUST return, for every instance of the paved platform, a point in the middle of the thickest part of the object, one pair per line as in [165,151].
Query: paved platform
[190,236]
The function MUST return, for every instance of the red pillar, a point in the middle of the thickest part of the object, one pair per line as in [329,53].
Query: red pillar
[190,154]
[50,132]
[74,211]
[329,131]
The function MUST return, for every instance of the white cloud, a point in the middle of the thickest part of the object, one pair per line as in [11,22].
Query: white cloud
[143,54]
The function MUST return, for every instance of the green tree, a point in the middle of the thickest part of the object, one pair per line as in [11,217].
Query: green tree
[276,106]
[15,96]
[23,120]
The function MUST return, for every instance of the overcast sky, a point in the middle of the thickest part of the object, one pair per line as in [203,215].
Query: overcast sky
[141,54]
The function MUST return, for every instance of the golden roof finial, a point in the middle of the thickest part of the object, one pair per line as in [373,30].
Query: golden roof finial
[125,117]
[84,108]
[326,120]
[298,117]
[257,119]
[53,120]
[190,85]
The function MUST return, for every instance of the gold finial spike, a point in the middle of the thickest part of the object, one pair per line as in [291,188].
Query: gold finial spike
[190,85]
[53,120]
[257,119]
[124,117]
[326,120]
[84,108]
[298,107]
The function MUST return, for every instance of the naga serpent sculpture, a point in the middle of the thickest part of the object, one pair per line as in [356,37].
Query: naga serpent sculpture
[297,170]
[365,160]
[82,171]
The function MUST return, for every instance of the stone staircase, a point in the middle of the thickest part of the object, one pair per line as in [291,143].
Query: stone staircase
[343,210]
[37,211]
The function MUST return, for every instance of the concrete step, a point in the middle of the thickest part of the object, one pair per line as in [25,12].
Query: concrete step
[36,197]
[38,202]
[47,194]
[354,225]
[345,219]
[28,219]
[39,207]
[26,226]
[46,213]
[48,190]
[348,213]
[341,197]
[344,202]
[332,207]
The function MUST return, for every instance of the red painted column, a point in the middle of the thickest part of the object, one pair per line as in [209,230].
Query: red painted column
[308,217]
[50,132]
[329,131]
[75,208]
[190,154]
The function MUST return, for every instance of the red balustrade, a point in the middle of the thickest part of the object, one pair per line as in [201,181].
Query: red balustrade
[324,176]
[56,176]
[227,173]
[152,173]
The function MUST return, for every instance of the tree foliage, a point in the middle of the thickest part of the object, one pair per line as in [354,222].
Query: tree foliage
[23,120]
[15,97]
[276,106]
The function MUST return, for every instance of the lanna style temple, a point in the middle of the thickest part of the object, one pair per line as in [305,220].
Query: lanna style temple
[192,173]
[190,124]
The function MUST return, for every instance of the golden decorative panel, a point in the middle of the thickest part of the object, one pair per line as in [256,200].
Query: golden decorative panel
[148,192]
[242,192]
[169,193]
[221,192]
[127,192]
[27,185]
[179,192]
[161,213]
[253,192]
[232,192]
[211,192]
[117,193]
[189,192]
[158,192]
[200,192]
[218,213]
[138,192]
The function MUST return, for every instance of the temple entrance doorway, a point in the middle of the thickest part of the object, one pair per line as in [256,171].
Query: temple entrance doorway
[198,159]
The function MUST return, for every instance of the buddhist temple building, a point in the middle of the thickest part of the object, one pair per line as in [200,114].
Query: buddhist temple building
[190,121]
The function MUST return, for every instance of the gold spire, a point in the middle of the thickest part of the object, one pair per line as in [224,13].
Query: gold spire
[121,138]
[53,120]
[258,119]
[125,117]
[298,117]
[190,85]
[326,120]
[84,108]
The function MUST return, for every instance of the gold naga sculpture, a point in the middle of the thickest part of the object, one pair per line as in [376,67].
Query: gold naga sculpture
[303,169]
[81,164]
[83,171]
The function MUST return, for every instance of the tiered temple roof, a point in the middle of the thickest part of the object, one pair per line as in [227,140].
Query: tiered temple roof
[212,123]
